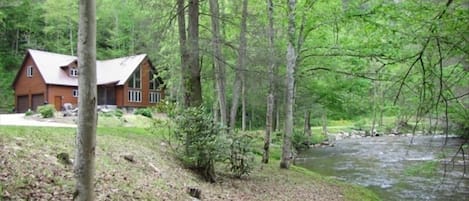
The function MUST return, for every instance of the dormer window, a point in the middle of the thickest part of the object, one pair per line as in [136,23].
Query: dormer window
[29,71]
[73,72]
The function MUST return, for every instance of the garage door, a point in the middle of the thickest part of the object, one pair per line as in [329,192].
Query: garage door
[22,103]
[38,99]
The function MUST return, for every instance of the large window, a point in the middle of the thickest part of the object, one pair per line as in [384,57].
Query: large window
[134,80]
[155,97]
[153,81]
[74,72]
[135,96]
[29,71]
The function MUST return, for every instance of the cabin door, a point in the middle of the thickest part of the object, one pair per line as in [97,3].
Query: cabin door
[58,102]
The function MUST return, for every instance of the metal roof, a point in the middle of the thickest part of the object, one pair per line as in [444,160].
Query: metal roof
[107,71]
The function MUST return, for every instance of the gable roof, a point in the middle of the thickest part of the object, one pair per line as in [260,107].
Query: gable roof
[107,71]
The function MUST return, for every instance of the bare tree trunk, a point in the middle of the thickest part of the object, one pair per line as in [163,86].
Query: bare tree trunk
[195,86]
[290,80]
[84,166]
[239,78]
[375,108]
[218,60]
[185,73]
[243,107]
[324,122]
[307,126]
[269,120]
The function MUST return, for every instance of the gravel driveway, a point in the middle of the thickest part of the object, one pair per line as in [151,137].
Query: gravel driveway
[19,120]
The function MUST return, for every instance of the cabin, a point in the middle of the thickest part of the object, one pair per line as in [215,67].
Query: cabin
[51,78]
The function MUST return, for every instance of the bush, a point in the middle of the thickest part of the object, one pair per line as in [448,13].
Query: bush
[299,140]
[165,107]
[46,111]
[200,139]
[118,113]
[242,155]
[144,112]
[28,113]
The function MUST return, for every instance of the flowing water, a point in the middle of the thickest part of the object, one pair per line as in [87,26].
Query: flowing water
[395,168]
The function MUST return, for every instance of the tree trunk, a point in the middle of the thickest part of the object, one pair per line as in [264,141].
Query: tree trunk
[324,122]
[218,60]
[307,126]
[195,92]
[239,77]
[84,166]
[243,107]
[185,73]
[290,80]
[269,120]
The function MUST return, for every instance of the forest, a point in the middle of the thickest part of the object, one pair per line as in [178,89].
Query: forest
[283,67]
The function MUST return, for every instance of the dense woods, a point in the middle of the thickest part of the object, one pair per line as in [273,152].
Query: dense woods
[319,60]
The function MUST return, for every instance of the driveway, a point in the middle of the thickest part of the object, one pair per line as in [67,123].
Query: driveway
[20,120]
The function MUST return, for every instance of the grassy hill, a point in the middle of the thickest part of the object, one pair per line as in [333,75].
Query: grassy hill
[30,170]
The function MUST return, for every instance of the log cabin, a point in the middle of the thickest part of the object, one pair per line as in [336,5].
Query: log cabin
[51,78]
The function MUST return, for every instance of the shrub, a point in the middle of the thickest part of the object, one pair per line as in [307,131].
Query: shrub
[242,155]
[28,113]
[299,140]
[200,139]
[118,113]
[46,111]
[144,112]
[165,107]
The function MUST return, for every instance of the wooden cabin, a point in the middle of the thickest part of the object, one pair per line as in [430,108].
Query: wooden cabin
[46,77]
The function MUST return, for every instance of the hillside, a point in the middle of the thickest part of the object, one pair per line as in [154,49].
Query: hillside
[30,170]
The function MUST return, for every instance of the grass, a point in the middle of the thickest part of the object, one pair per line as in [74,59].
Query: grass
[424,169]
[32,170]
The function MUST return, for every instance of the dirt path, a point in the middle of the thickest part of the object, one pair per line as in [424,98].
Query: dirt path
[20,120]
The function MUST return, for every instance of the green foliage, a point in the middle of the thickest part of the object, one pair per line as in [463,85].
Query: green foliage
[360,124]
[242,154]
[425,169]
[201,141]
[300,141]
[28,113]
[118,113]
[317,138]
[147,112]
[46,111]
[165,107]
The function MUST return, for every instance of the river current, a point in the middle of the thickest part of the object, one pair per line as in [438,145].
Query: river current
[396,168]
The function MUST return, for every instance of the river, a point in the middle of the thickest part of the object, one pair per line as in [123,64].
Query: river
[393,167]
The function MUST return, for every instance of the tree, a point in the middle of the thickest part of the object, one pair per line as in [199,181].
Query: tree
[290,80]
[218,60]
[84,166]
[269,117]
[239,82]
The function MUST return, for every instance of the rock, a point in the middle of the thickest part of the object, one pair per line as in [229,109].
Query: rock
[391,135]
[129,158]
[194,192]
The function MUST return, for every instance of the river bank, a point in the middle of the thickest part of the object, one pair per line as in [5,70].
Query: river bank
[30,170]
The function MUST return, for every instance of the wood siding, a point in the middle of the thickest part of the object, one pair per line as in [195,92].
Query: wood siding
[64,92]
[145,67]
[27,86]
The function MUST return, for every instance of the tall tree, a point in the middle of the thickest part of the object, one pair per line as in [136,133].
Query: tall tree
[84,166]
[269,117]
[218,60]
[290,80]
[241,62]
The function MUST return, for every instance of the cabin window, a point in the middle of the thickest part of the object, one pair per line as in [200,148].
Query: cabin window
[74,72]
[153,81]
[154,97]
[134,80]
[135,96]
[75,93]
[29,71]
